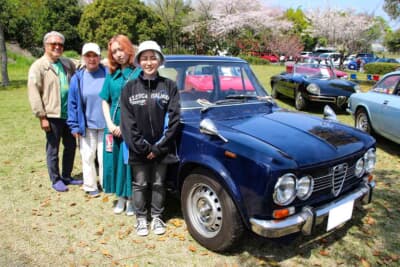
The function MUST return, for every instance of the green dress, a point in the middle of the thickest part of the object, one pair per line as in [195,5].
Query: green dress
[117,176]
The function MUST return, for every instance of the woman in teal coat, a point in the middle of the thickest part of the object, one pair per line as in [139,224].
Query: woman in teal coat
[117,177]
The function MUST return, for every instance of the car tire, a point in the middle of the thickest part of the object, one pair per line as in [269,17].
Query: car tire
[362,121]
[300,102]
[274,91]
[210,214]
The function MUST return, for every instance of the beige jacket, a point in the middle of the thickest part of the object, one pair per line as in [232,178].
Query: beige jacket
[44,87]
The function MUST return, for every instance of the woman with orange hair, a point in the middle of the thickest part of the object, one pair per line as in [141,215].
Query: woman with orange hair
[117,177]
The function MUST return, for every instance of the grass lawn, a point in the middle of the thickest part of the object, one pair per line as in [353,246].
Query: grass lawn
[40,227]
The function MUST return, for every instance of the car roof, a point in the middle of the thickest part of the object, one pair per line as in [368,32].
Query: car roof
[203,58]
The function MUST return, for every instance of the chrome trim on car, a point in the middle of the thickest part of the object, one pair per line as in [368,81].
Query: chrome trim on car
[309,217]
[338,177]
[328,99]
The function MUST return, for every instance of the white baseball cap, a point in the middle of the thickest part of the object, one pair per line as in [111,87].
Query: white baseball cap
[148,45]
[91,47]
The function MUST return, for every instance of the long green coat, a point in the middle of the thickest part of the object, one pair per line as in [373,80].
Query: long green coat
[117,176]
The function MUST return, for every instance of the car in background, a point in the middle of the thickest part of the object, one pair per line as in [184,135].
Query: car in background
[305,54]
[378,110]
[387,60]
[331,56]
[242,162]
[313,82]
[270,57]
[361,57]
[348,59]
[318,60]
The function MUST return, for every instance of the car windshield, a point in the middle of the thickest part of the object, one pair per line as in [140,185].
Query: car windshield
[206,83]
[317,71]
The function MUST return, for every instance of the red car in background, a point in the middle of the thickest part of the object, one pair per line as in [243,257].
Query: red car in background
[267,56]
[271,58]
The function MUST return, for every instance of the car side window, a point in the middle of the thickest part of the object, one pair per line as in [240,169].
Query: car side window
[387,85]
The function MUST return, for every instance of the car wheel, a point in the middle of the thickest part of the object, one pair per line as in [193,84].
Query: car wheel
[274,92]
[210,214]
[362,121]
[300,102]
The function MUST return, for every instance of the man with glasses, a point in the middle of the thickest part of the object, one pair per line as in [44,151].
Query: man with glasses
[48,83]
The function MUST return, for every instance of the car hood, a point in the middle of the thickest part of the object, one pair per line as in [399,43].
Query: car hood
[327,85]
[303,138]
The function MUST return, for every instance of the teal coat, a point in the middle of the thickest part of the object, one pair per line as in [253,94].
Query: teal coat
[117,176]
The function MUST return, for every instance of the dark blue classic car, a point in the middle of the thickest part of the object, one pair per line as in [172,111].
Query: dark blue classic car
[313,82]
[245,163]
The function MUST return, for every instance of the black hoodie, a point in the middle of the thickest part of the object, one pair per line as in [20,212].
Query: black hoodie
[146,107]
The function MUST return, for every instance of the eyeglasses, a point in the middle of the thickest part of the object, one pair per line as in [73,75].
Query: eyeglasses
[54,45]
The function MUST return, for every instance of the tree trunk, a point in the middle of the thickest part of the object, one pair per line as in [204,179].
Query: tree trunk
[3,55]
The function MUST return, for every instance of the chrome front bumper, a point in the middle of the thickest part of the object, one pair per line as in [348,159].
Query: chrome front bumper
[309,217]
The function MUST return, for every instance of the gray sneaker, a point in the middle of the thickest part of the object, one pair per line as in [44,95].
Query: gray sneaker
[158,226]
[141,227]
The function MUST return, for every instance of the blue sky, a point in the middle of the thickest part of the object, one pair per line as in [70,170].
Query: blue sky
[370,6]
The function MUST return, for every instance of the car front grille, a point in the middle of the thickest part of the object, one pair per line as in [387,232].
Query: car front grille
[336,179]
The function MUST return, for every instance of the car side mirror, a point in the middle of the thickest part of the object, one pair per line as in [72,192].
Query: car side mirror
[207,126]
[329,114]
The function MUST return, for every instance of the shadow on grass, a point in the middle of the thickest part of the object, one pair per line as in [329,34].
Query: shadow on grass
[14,85]
[312,107]
[388,146]
[253,247]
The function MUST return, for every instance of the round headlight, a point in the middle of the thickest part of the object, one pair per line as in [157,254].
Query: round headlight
[359,169]
[357,88]
[285,189]
[370,160]
[313,89]
[305,187]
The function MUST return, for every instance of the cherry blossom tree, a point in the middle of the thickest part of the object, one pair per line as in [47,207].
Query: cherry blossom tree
[344,29]
[226,20]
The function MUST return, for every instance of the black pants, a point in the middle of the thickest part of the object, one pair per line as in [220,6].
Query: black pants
[149,177]
[59,130]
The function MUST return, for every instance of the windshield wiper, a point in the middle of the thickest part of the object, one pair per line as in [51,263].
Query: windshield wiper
[235,98]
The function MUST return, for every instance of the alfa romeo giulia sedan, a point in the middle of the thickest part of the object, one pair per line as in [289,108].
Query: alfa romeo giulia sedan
[246,164]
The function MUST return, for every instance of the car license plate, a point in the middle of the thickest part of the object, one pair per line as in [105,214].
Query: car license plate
[340,214]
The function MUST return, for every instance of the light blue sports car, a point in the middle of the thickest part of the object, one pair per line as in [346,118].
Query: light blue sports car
[378,111]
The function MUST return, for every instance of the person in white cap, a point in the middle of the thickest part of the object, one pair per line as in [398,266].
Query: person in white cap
[85,115]
[150,115]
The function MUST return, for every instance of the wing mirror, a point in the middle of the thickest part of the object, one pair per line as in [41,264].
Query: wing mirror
[207,126]
[329,114]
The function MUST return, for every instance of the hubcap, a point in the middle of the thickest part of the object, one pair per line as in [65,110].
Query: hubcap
[205,211]
[362,122]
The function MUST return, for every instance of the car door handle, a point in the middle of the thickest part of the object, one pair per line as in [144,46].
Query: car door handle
[385,102]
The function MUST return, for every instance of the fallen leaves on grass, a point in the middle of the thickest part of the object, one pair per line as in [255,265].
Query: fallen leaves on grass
[82,244]
[106,253]
[176,222]
[324,252]
[192,248]
[100,230]
[365,263]
[370,220]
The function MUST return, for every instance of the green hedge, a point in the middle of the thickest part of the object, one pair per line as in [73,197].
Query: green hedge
[380,67]
[254,60]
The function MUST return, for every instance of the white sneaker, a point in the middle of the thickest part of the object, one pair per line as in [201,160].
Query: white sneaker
[120,207]
[129,208]
[158,226]
[141,227]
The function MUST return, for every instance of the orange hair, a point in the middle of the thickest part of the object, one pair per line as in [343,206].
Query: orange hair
[126,45]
